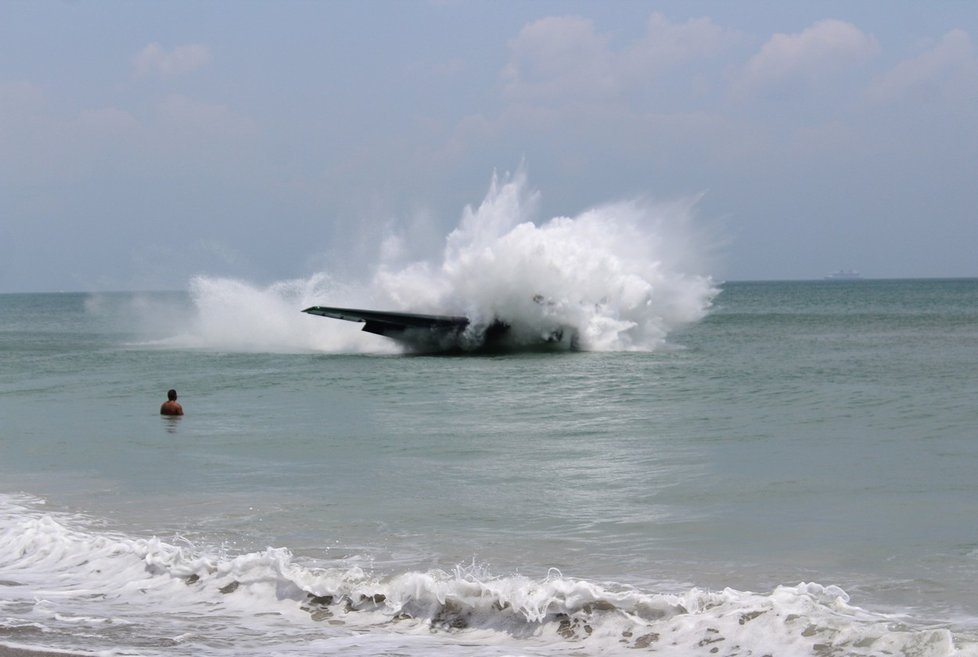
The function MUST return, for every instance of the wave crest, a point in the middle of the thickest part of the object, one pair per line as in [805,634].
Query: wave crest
[61,583]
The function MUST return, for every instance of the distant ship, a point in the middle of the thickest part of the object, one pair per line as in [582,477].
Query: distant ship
[844,275]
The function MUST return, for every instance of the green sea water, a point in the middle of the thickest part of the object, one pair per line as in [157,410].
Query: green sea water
[819,432]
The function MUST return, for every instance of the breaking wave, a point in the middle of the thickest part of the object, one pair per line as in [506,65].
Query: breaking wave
[69,587]
[619,277]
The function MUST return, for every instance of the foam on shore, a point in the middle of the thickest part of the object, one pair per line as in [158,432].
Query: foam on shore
[68,587]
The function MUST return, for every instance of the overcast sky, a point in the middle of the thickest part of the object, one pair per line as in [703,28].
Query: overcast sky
[142,143]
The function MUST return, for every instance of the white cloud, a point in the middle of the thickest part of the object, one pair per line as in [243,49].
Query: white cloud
[562,58]
[827,47]
[156,60]
[558,57]
[949,66]
[668,45]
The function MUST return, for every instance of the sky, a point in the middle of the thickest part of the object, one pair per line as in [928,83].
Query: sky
[145,143]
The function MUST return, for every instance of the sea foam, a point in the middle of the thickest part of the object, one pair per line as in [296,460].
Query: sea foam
[68,586]
[621,276]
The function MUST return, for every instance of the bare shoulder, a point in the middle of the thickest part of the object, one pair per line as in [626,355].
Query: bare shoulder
[171,408]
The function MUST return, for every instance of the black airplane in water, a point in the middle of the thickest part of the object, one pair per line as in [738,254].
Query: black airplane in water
[447,333]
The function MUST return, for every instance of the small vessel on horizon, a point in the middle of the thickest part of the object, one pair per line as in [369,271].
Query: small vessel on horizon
[844,275]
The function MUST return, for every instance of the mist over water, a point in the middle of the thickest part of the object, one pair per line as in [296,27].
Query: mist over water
[620,276]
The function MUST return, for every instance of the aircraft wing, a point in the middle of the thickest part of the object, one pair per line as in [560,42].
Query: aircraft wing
[392,324]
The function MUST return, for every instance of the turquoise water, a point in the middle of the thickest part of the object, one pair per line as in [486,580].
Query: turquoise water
[803,458]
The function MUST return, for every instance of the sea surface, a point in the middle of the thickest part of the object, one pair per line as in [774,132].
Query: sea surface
[794,474]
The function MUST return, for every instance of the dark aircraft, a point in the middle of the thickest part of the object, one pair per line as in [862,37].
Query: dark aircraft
[445,333]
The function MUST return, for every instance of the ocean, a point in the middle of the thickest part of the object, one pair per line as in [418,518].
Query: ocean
[795,472]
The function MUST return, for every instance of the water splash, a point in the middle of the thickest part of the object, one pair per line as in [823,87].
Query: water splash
[67,586]
[617,276]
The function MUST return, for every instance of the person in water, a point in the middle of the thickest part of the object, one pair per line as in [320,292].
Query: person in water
[170,406]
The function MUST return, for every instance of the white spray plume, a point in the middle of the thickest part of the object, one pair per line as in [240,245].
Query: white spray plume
[615,274]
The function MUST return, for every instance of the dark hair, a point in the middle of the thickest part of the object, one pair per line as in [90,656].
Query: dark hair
[171,394]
